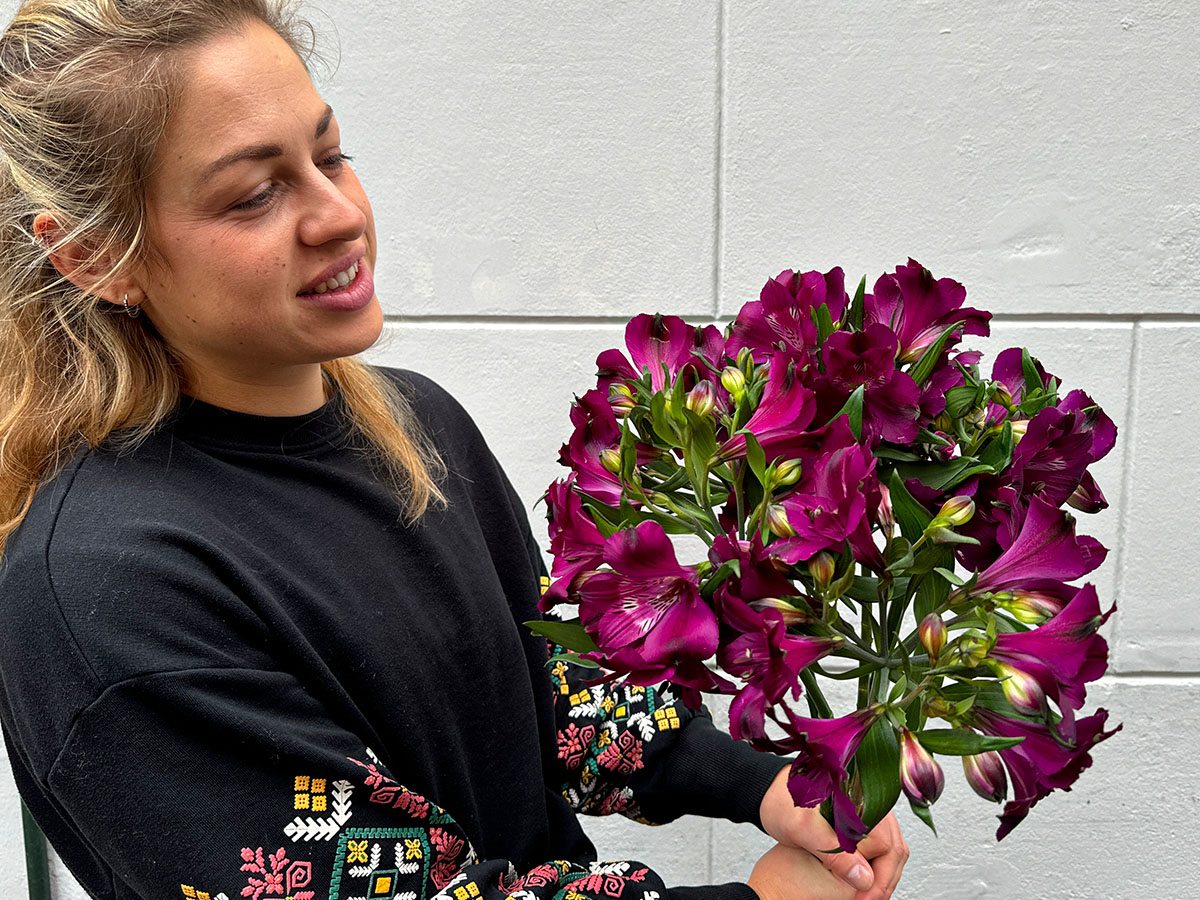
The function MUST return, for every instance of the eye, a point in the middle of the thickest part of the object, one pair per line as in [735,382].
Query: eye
[335,161]
[258,201]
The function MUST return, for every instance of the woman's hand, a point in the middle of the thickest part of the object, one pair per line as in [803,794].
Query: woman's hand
[788,873]
[873,871]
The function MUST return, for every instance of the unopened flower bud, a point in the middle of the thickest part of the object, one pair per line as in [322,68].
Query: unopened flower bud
[986,776]
[786,473]
[938,707]
[1019,426]
[745,359]
[611,459]
[920,775]
[701,399]
[822,568]
[1029,607]
[1021,690]
[957,510]
[790,614]
[620,398]
[733,381]
[885,515]
[1002,395]
[777,521]
[933,633]
[971,649]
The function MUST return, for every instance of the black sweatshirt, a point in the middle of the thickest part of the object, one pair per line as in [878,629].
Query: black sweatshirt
[228,668]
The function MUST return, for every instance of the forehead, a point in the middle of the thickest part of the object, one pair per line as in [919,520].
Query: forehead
[241,87]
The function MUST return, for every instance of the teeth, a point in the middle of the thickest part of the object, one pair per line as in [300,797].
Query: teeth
[340,280]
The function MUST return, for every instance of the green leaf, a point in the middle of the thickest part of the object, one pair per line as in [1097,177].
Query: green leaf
[949,576]
[573,658]
[960,400]
[824,322]
[1033,381]
[569,634]
[884,451]
[910,515]
[945,475]
[878,764]
[900,554]
[855,314]
[756,458]
[607,519]
[852,409]
[663,426]
[929,359]
[946,536]
[961,742]
[999,450]
[924,814]
[703,440]
[933,590]
[710,585]
[628,451]
[864,589]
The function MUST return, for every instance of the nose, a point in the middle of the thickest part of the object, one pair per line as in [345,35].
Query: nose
[330,213]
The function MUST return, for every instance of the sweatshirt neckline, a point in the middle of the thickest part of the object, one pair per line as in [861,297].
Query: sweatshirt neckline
[326,427]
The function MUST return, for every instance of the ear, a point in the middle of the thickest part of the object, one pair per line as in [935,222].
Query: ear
[76,260]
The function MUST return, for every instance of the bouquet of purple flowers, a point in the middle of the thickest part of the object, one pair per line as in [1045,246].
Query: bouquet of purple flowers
[874,509]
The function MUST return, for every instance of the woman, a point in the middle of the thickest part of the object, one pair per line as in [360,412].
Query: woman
[260,632]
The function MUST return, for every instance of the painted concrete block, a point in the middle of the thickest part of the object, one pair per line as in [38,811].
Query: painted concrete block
[1159,622]
[547,160]
[1022,152]
[517,382]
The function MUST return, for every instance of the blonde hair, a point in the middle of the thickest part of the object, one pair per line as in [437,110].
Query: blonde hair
[87,88]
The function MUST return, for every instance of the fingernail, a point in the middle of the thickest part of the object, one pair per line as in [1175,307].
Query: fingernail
[861,877]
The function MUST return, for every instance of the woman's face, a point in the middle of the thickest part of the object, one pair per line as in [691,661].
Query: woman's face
[257,222]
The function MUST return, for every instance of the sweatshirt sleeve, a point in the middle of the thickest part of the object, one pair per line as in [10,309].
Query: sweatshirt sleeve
[212,784]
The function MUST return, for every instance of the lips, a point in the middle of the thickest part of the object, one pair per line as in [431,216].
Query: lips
[343,268]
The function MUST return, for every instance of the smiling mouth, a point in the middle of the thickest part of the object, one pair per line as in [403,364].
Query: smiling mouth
[338,282]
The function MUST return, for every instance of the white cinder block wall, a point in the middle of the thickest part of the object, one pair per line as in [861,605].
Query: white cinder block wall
[542,171]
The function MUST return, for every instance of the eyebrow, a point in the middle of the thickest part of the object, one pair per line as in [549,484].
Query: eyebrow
[263,151]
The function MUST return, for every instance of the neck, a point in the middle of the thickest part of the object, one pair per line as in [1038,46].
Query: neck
[294,392]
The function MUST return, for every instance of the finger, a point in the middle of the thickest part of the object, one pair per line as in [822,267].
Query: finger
[882,838]
[887,866]
[819,838]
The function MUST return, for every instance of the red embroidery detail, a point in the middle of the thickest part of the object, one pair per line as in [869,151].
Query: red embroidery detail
[623,755]
[280,875]
[447,848]
[573,744]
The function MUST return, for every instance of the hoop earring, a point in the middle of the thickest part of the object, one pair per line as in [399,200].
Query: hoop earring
[132,311]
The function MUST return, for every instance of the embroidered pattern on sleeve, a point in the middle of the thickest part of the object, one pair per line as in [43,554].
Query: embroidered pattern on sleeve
[607,730]
[317,796]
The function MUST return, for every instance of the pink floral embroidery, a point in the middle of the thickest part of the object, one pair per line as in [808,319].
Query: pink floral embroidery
[274,881]
[374,776]
[623,755]
[447,850]
[573,744]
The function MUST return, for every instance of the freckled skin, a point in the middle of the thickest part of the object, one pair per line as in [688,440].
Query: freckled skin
[225,292]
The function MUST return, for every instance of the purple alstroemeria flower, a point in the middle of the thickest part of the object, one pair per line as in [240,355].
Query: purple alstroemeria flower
[1046,546]
[828,505]
[786,409]
[1007,370]
[945,376]
[1049,461]
[1040,763]
[760,576]
[825,747]
[575,542]
[918,308]
[868,358]
[772,658]
[596,430]
[664,346]
[1063,655]
[780,321]
[921,775]
[648,608]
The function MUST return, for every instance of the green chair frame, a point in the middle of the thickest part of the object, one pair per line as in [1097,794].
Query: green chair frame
[37,867]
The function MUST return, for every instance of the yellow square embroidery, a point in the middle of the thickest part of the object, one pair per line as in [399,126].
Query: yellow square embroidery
[384,885]
[188,891]
[302,782]
[666,718]
[318,803]
[302,801]
[318,786]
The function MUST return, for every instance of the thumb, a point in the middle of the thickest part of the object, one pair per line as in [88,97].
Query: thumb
[851,868]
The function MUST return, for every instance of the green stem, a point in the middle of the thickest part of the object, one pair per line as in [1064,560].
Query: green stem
[815,698]
[739,474]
